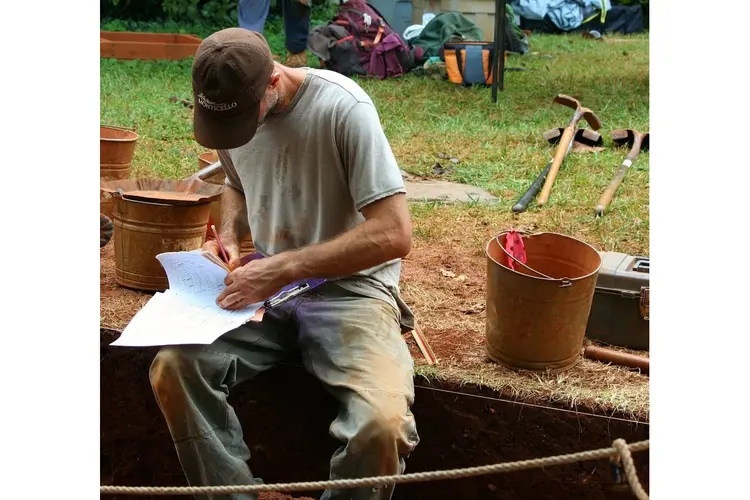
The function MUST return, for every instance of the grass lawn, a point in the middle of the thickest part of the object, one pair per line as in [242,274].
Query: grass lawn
[499,148]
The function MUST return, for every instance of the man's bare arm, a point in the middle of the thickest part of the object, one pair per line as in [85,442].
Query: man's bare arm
[385,235]
[234,226]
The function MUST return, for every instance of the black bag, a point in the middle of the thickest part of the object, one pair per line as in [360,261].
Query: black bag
[336,48]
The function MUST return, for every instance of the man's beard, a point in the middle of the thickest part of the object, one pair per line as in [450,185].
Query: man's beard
[271,102]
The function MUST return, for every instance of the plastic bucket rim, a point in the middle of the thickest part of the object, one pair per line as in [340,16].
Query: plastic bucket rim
[580,278]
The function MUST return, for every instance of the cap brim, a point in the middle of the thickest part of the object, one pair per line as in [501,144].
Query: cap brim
[229,132]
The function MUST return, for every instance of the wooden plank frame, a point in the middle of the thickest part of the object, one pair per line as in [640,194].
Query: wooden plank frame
[128,45]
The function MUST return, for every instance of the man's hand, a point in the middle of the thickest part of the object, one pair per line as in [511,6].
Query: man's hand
[231,247]
[254,282]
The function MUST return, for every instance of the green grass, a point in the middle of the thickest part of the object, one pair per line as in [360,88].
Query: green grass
[499,146]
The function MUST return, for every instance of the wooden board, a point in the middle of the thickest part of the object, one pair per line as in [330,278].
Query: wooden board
[480,12]
[146,46]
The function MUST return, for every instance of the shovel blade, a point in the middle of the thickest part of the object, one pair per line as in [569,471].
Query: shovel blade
[584,136]
[589,137]
[626,137]
[553,135]
[623,136]
[644,142]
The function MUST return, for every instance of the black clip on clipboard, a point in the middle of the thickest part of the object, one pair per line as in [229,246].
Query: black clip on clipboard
[291,291]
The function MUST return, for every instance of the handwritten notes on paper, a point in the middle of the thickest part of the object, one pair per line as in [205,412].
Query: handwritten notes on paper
[186,313]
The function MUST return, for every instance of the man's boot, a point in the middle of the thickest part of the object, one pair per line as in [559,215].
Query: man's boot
[296,60]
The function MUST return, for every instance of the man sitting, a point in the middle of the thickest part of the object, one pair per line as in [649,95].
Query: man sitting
[311,174]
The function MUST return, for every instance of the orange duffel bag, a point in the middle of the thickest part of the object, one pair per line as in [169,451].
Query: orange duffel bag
[469,63]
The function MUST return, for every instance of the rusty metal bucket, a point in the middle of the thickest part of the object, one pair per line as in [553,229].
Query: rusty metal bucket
[116,148]
[206,159]
[145,229]
[534,322]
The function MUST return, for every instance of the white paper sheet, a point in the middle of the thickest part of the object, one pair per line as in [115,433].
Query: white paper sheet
[187,312]
[193,275]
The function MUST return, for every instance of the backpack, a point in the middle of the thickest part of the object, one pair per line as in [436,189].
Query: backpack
[359,41]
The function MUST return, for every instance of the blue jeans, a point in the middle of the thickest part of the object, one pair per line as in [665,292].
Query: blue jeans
[351,343]
[253,14]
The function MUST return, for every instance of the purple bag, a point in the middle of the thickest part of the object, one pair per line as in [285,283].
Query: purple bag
[370,30]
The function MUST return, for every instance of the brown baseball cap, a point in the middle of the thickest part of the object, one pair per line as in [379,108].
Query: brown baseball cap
[231,71]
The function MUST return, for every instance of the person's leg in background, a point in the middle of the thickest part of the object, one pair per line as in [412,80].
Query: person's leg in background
[296,28]
[252,14]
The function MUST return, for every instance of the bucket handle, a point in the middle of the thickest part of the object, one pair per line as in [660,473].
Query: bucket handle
[564,282]
[121,127]
[121,206]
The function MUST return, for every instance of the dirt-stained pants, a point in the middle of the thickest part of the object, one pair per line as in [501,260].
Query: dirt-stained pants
[351,343]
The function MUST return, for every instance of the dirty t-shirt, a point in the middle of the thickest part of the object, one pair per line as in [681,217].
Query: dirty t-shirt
[310,169]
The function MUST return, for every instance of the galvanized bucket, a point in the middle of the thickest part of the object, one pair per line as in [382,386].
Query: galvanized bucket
[537,313]
[144,229]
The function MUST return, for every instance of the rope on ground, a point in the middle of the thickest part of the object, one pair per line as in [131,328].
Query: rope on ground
[627,463]
[620,449]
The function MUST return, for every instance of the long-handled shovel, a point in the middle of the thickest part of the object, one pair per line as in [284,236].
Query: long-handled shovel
[638,142]
[583,136]
[566,140]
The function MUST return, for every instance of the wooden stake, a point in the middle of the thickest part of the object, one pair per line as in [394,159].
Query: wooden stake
[423,345]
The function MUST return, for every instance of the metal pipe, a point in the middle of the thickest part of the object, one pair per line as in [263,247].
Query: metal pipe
[501,54]
[498,49]
[207,172]
[616,357]
[495,51]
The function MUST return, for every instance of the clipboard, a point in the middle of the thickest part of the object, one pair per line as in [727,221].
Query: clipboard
[288,292]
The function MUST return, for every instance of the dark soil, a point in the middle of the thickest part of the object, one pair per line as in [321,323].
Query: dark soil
[280,496]
[286,415]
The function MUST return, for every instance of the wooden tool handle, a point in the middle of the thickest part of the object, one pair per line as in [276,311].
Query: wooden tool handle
[523,202]
[617,357]
[609,193]
[562,150]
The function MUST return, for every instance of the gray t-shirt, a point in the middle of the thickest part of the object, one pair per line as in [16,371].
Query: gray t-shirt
[309,170]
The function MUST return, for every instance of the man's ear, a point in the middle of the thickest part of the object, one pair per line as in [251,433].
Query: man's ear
[275,79]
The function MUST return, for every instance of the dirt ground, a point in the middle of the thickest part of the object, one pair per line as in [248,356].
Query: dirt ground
[445,286]
[286,414]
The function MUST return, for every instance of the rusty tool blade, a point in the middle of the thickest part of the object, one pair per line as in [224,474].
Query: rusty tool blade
[626,137]
[568,101]
[582,137]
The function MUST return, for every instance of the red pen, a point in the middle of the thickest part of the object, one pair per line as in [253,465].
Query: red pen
[221,247]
